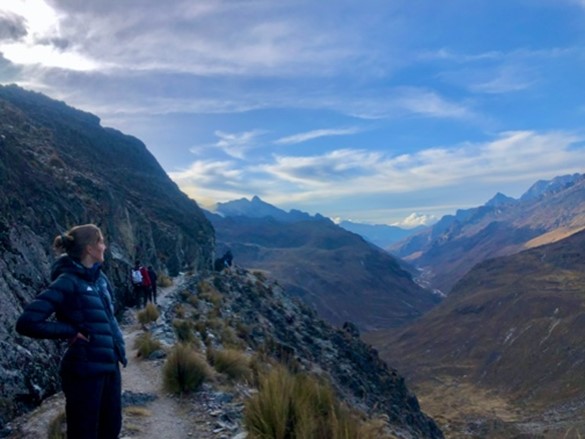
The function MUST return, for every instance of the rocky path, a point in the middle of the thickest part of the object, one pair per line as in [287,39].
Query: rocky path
[154,415]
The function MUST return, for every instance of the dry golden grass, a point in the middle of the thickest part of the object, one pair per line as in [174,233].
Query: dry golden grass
[58,427]
[132,428]
[453,403]
[137,411]
[209,293]
[164,281]
[184,370]
[300,406]
[229,338]
[149,314]
[184,330]
[145,344]
[552,236]
[180,311]
[231,362]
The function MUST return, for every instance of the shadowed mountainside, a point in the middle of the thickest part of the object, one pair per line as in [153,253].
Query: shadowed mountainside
[337,272]
[59,167]
[547,212]
[511,328]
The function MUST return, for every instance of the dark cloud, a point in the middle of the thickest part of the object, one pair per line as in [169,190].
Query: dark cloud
[59,43]
[12,27]
[8,71]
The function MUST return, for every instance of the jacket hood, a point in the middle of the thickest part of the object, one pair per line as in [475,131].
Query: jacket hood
[66,264]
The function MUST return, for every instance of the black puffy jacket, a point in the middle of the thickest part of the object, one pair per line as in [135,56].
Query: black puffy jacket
[81,299]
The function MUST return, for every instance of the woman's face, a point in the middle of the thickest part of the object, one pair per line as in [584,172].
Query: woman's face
[96,251]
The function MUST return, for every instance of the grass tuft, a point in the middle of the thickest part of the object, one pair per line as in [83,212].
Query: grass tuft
[184,330]
[234,363]
[58,427]
[148,314]
[137,411]
[184,370]
[146,344]
[298,406]
[164,281]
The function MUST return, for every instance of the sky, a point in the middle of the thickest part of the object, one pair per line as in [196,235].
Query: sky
[374,111]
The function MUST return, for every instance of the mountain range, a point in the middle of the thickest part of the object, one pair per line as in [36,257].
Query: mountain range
[381,235]
[344,277]
[547,212]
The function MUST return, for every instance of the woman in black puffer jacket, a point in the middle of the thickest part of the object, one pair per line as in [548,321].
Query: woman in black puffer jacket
[80,296]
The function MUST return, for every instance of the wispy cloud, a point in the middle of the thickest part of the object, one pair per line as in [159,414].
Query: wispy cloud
[507,79]
[315,134]
[514,156]
[206,172]
[238,144]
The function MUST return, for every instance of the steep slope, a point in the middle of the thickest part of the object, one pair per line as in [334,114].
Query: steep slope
[512,326]
[58,168]
[337,272]
[547,212]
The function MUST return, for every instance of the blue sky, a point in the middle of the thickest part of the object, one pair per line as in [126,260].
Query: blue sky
[375,111]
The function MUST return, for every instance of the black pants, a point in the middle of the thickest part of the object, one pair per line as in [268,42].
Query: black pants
[137,290]
[146,294]
[93,405]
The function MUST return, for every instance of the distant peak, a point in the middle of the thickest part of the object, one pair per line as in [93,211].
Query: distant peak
[544,187]
[500,199]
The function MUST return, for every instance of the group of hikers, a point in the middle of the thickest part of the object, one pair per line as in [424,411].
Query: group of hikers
[143,283]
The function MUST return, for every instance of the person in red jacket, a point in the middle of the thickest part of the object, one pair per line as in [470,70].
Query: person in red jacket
[146,285]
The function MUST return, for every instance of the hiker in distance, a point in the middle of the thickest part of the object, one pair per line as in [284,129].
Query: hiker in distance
[80,297]
[137,279]
[225,262]
[141,284]
[153,278]
[146,285]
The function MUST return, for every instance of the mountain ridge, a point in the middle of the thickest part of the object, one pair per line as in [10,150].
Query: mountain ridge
[451,247]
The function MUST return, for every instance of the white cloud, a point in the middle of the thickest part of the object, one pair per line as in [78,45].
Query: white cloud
[209,172]
[415,220]
[41,41]
[204,38]
[322,171]
[401,101]
[315,134]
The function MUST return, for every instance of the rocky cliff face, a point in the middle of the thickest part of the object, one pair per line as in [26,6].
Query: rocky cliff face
[59,168]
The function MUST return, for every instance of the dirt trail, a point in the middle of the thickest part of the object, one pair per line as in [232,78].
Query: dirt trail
[165,416]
